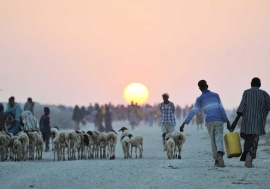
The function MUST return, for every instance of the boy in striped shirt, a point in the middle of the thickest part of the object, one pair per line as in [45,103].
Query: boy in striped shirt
[254,108]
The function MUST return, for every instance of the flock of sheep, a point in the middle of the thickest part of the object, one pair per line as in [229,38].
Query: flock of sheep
[25,145]
[82,145]
[93,144]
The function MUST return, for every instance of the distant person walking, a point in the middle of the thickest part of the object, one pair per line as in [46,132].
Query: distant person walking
[108,119]
[199,119]
[132,115]
[45,127]
[13,113]
[29,105]
[77,117]
[212,107]
[2,118]
[167,109]
[254,108]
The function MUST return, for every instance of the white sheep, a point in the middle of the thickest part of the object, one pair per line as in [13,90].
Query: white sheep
[125,141]
[179,139]
[25,145]
[170,147]
[32,144]
[74,142]
[112,139]
[9,150]
[164,136]
[94,134]
[102,145]
[54,133]
[3,146]
[39,145]
[136,142]
[125,132]
[56,143]
[17,149]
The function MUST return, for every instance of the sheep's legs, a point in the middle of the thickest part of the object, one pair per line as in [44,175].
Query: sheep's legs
[104,153]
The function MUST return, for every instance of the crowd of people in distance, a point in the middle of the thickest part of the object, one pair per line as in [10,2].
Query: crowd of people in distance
[103,115]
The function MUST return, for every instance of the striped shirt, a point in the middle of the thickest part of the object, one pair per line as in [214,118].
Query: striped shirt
[167,113]
[254,108]
[212,107]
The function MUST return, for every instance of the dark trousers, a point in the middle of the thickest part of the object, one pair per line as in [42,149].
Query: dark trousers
[250,145]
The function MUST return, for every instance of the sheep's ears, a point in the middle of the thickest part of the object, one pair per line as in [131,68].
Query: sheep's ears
[90,133]
[114,131]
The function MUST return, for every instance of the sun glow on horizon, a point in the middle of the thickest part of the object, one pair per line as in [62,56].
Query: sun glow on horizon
[136,92]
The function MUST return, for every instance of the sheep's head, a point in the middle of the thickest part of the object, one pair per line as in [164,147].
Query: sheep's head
[123,129]
[90,133]
[163,135]
[56,127]
[130,135]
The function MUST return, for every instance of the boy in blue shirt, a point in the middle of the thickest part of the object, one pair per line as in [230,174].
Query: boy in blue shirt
[215,116]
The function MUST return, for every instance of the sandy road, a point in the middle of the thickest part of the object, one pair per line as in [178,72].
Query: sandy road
[195,170]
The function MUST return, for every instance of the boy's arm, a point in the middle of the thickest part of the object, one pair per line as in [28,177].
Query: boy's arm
[192,112]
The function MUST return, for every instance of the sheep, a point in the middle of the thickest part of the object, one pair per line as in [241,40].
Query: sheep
[56,143]
[125,132]
[3,146]
[63,143]
[94,134]
[102,145]
[9,150]
[74,142]
[54,133]
[179,139]
[25,145]
[87,143]
[32,144]
[112,139]
[84,147]
[125,141]
[17,149]
[136,142]
[39,145]
[164,136]
[170,147]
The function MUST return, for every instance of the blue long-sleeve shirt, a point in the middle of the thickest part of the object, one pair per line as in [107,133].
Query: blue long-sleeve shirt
[211,105]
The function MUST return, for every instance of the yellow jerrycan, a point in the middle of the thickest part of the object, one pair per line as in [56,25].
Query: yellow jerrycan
[232,144]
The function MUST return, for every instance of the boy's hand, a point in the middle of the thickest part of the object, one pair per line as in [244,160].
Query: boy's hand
[182,127]
[233,126]
[228,126]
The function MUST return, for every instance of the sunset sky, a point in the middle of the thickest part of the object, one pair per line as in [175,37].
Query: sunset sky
[76,52]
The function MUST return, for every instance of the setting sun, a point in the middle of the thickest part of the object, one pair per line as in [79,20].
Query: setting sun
[136,92]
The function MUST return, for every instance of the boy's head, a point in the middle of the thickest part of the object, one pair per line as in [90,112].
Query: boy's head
[165,96]
[202,85]
[256,82]
[47,111]
[11,101]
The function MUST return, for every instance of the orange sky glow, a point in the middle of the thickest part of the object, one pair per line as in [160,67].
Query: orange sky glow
[86,51]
